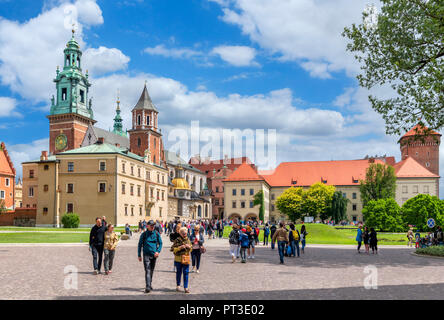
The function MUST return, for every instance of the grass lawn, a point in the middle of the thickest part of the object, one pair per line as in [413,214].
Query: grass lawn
[43,237]
[325,234]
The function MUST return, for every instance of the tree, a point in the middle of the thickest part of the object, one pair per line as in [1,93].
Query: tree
[384,215]
[416,211]
[379,183]
[259,200]
[291,203]
[338,207]
[403,46]
[318,200]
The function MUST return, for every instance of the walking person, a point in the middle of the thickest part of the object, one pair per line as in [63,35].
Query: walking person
[266,234]
[181,249]
[251,235]
[104,223]
[96,242]
[272,232]
[366,238]
[210,231]
[233,240]
[197,241]
[151,242]
[294,237]
[410,237]
[244,244]
[359,238]
[373,241]
[109,248]
[281,236]
[303,237]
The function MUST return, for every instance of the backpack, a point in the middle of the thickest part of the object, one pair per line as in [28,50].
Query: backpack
[295,234]
[157,237]
[234,237]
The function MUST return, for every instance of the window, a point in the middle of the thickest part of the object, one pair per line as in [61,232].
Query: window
[251,204]
[70,188]
[46,167]
[354,195]
[148,120]
[7,182]
[138,191]
[82,96]
[148,176]
[132,170]
[272,196]
[158,178]
[45,188]
[344,195]
[160,211]
[123,188]
[242,192]
[132,190]
[138,172]
[427,164]
[126,210]
[45,210]
[154,142]
[163,195]
[158,195]
[242,204]
[272,207]
[355,218]
[102,166]
[234,204]
[216,201]
[251,192]
[102,186]
[132,211]
[234,193]
[426,189]
[2,194]
[31,191]
[405,189]
[139,142]
[31,173]
[70,166]
[163,179]
[64,93]
[69,207]
[138,120]
[415,189]
[147,212]
[140,211]
[354,207]
[123,167]
[217,189]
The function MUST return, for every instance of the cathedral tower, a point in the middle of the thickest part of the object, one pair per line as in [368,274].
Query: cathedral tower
[71,112]
[118,127]
[145,135]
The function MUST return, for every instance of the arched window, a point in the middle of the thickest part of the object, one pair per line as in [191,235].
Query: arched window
[206,210]
[138,120]
[148,120]
[139,142]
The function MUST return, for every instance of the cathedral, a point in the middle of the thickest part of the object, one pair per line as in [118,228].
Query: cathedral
[123,175]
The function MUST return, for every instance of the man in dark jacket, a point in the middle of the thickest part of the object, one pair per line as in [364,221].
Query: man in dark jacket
[151,242]
[96,242]
[272,231]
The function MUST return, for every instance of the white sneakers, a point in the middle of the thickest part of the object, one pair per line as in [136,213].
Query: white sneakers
[233,258]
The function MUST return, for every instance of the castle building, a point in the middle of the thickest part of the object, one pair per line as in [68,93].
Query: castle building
[7,178]
[413,176]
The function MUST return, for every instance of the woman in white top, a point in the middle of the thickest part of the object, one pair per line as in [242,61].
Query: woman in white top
[197,241]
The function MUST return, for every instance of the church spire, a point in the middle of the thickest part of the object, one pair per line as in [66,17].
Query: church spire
[118,128]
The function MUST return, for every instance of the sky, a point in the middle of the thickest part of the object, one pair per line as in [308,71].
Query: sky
[229,64]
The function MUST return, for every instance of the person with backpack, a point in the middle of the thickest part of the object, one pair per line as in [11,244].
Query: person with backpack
[151,242]
[233,240]
[251,234]
[272,232]
[244,244]
[266,234]
[303,237]
[294,237]
[281,236]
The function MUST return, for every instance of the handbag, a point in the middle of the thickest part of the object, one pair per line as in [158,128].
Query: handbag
[185,259]
[202,250]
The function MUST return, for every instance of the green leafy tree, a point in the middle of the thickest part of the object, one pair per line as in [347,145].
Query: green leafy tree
[318,200]
[379,183]
[338,207]
[383,215]
[403,45]
[259,200]
[291,203]
[416,211]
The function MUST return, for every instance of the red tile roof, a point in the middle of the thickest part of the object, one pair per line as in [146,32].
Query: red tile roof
[210,165]
[418,129]
[410,168]
[6,165]
[245,173]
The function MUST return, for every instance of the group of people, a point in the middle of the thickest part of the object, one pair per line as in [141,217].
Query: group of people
[212,228]
[370,239]
[103,239]
[434,238]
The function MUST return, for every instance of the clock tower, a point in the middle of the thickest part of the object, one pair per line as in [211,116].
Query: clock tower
[71,111]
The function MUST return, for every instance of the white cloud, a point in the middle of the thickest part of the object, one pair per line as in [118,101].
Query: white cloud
[238,56]
[102,60]
[7,107]
[177,53]
[305,31]
[26,152]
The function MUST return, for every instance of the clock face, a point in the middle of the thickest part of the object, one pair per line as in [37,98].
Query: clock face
[61,142]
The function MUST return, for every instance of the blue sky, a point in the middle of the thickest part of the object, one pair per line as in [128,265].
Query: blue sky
[242,64]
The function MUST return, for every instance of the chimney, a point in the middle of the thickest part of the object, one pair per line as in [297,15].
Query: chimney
[118,145]
[44,156]
[100,140]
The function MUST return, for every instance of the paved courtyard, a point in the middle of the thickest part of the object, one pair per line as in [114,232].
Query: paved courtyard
[324,272]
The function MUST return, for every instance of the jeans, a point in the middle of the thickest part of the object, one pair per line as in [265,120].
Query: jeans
[265,240]
[238,251]
[296,242]
[195,256]
[97,252]
[303,245]
[243,254]
[281,247]
[293,248]
[109,258]
[149,262]
[182,268]
[359,245]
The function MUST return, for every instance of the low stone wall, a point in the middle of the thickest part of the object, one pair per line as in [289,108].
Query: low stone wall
[21,217]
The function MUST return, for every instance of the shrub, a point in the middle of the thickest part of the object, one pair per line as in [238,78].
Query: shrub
[70,220]
[431,251]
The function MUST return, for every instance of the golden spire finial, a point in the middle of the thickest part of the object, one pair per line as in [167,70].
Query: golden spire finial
[118,99]
[73,29]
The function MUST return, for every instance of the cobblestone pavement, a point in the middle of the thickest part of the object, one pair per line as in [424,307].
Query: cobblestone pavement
[323,272]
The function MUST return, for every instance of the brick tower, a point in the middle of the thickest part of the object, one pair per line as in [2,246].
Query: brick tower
[145,136]
[71,112]
[424,149]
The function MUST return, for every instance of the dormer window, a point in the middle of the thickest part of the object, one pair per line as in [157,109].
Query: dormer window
[355,180]
[323,180]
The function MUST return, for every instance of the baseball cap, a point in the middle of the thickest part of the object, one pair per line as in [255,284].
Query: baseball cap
[151,223]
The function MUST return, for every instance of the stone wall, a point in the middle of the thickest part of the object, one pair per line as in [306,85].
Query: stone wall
[21,217]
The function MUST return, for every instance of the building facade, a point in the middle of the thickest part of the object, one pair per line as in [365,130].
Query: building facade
[7,179]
